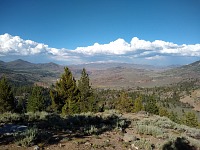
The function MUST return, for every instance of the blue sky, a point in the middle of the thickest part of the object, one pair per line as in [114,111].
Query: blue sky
[66,31]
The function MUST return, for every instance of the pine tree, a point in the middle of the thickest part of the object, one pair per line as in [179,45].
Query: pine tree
[151,106]
[87,101]
[36,101]
[65,94]
[138,106]
[6,97]
[124,103]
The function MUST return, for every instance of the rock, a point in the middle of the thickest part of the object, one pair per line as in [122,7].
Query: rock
[129,137]
[87,143]
[36,147]
[61,145]
[133,146]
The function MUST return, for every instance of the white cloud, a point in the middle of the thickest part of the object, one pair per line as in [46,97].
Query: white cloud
[155,57]
[115,50]
[120,46]
[16,46]
[137,44]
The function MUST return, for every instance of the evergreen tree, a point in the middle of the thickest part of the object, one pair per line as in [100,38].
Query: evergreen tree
[21,105]
[190,119]
[65,94]
[151,106]
[163,112]
[87,100]
[138,106]
[7,102]
[36,101]
[124,103]
[174,117]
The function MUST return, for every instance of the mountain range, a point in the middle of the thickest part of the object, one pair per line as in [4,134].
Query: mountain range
[102,75]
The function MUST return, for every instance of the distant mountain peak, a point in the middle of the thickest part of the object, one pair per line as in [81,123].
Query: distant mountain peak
[20,61]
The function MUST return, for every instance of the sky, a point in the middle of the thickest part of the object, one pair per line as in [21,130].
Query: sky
[155,32]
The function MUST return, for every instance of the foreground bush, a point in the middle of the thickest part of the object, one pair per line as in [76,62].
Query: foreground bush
[26,138]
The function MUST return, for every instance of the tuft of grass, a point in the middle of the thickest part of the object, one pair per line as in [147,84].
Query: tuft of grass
[92,130]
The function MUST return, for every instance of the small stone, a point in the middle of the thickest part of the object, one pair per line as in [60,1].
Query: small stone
[87,143]
[129,137]
[135,147]
[36,147]
[61,145]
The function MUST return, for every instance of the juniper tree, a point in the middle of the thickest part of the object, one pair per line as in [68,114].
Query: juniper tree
[65,94]
[6,96]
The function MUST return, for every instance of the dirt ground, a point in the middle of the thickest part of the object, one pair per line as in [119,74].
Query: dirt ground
[108,140]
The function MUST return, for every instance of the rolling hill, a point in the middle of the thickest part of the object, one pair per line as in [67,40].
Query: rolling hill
[102,75]
[23,72]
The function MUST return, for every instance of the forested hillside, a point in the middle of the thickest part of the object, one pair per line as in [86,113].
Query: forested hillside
[73,111]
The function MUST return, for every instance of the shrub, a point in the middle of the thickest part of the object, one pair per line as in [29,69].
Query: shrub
[149,130]
[26,138]
[31,116]
[143,144]
[9,117]
[93,130]
[178,143]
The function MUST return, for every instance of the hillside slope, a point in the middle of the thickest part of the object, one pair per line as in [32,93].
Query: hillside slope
[110,130]
[102,75]
[23,72]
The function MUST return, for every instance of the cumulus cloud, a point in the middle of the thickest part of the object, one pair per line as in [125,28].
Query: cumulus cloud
[115,50]
[17,46]
[120,46]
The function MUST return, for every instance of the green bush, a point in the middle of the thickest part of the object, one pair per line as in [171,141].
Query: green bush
[9,117]
[26,138]
[149,130]
[31,116]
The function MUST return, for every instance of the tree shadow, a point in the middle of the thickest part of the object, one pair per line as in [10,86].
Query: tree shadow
[179,144]
[80,126]
[57,128]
